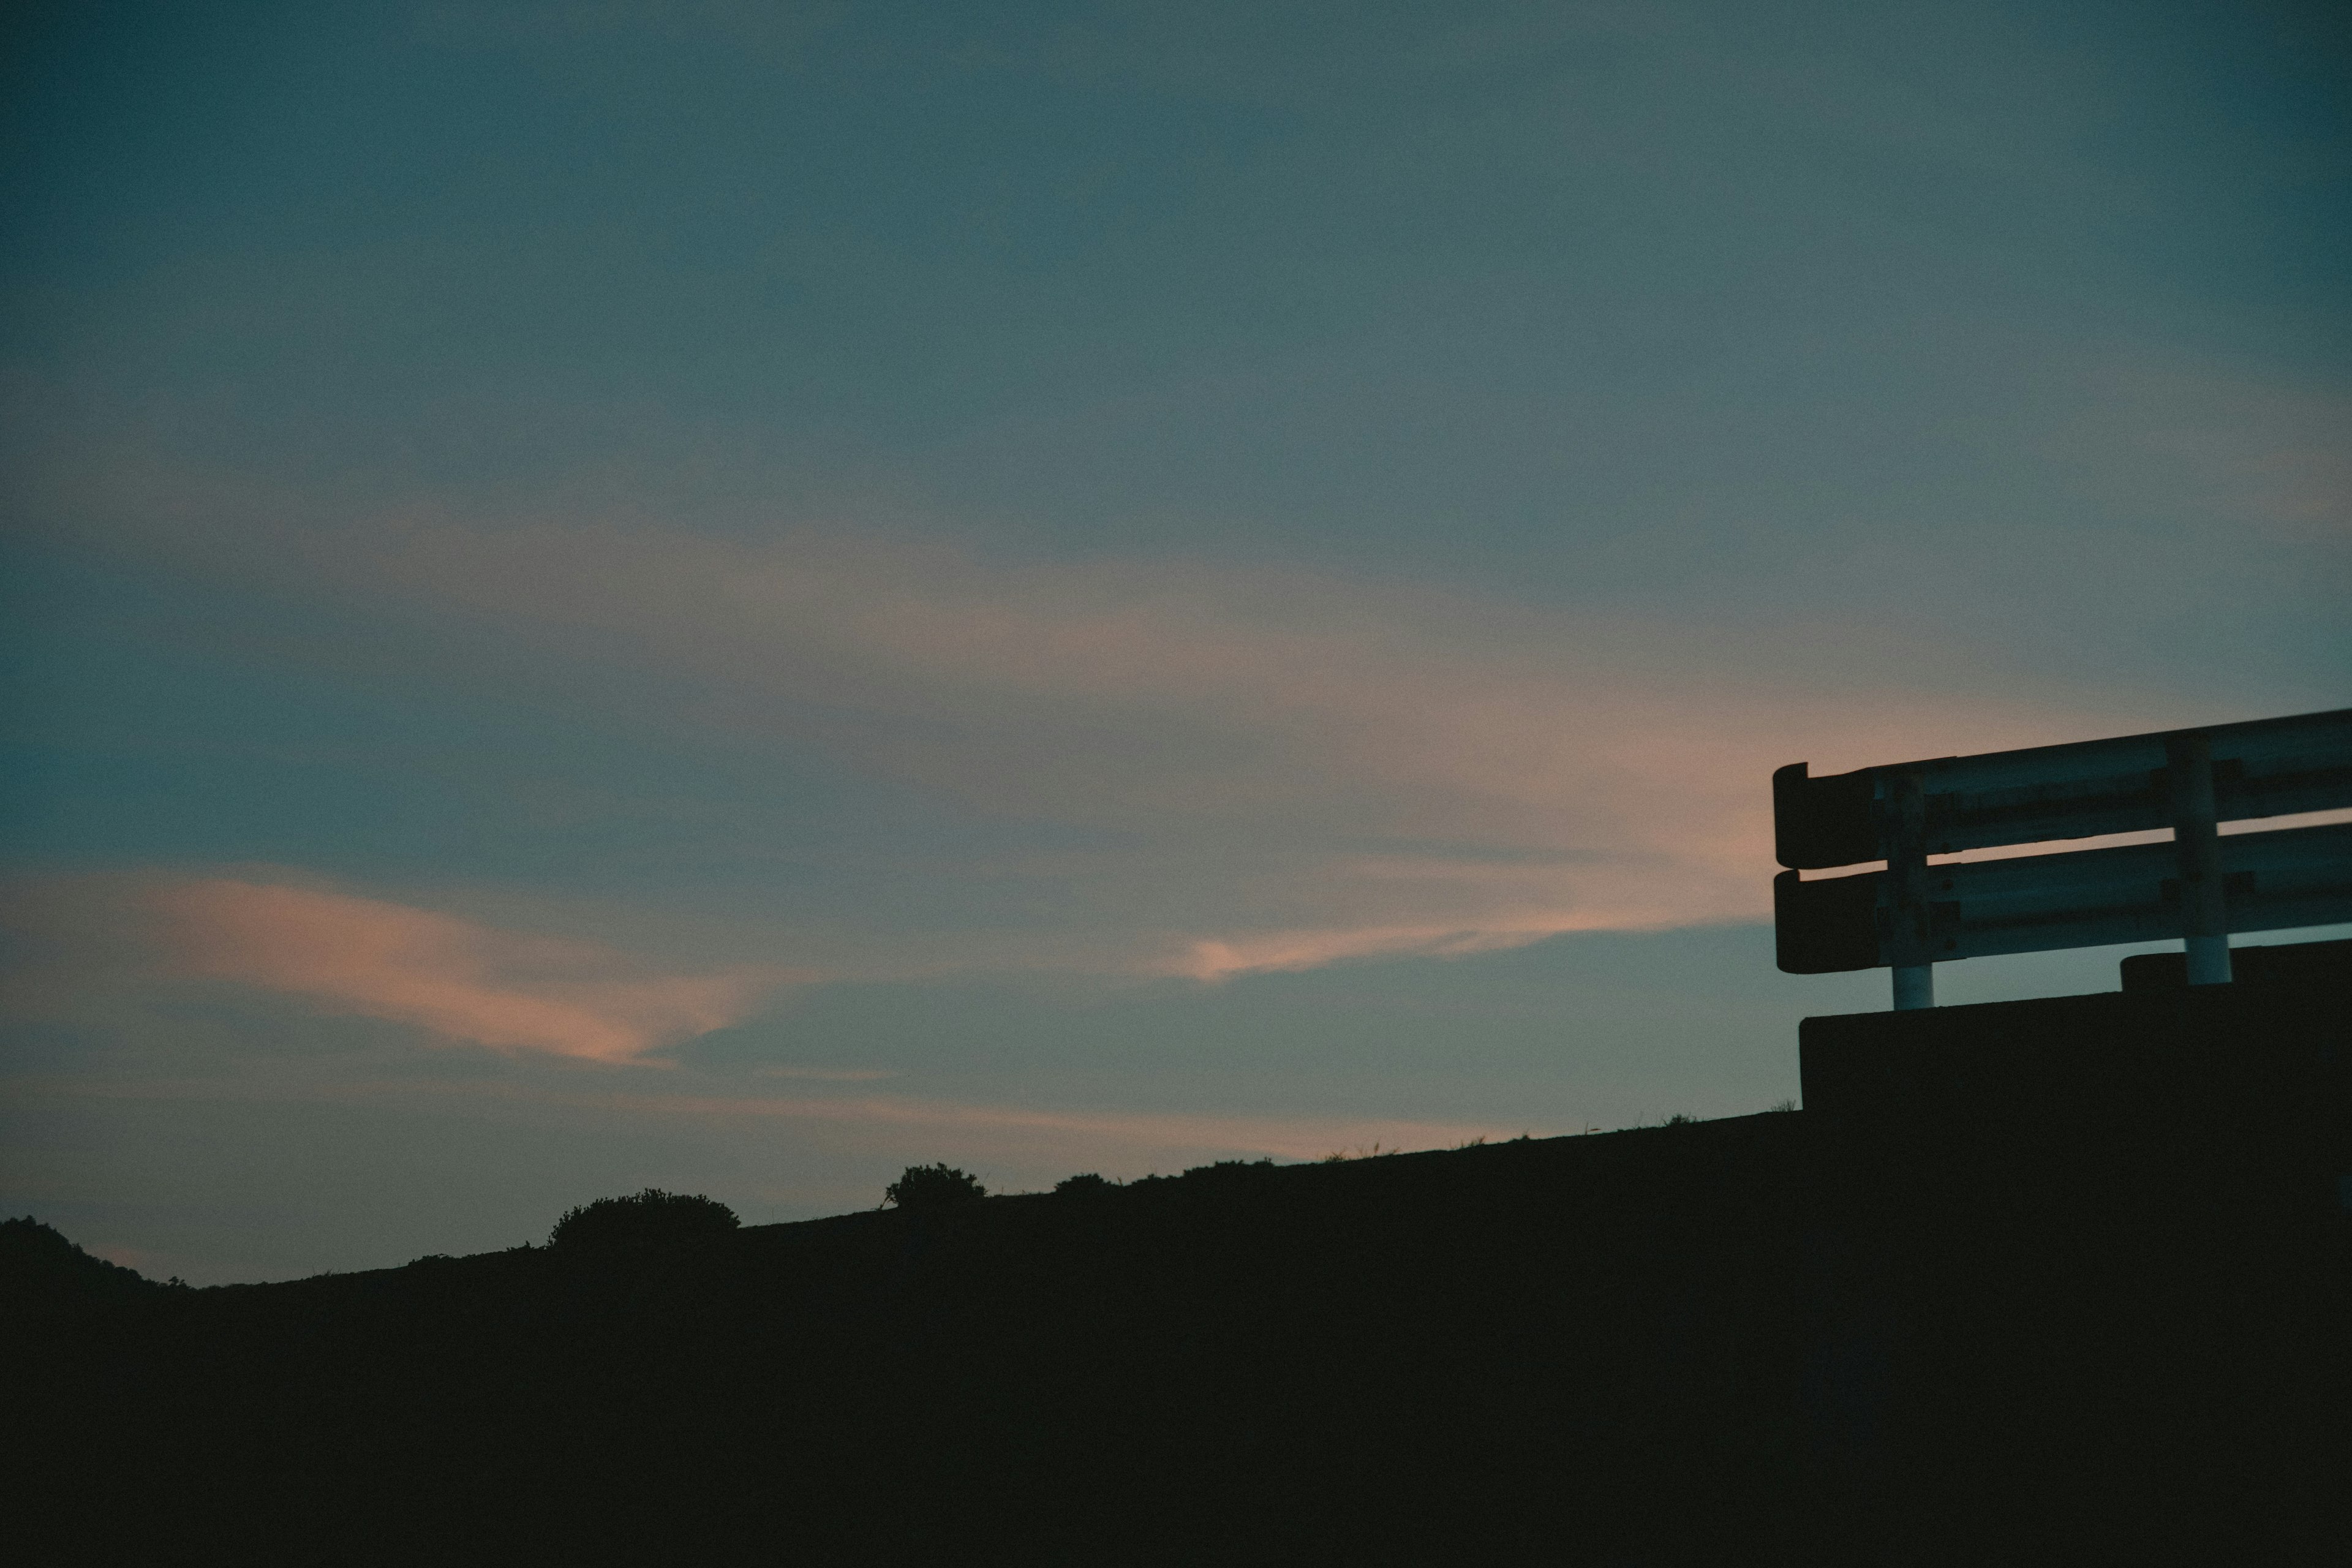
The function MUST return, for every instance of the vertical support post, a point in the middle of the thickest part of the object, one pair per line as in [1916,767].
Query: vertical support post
[1909,940]
[2197,841]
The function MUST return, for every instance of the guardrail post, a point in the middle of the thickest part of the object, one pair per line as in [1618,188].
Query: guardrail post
[1909,941]
[2204,917]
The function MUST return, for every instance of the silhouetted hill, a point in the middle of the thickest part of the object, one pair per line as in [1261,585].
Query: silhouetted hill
[1412,1353]
[41,1271]
[1773,1337]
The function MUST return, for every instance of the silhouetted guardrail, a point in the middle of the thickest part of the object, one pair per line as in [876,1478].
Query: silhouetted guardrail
[2201,887]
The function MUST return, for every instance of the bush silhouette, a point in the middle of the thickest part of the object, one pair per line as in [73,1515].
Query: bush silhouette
[1227,1170]
[649,1216]
[1083,1185]
[933,1187]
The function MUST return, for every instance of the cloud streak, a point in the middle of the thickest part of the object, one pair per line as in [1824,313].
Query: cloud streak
[457,981]
[1514,773]
[1289,767]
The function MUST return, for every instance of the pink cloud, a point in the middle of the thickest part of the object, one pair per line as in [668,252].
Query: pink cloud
[1247,735]
[1261,953]
[1625,760]
[453,978]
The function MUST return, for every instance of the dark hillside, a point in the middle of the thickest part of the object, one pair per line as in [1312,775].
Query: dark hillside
[1948,1332]
[41,1271]
[1592,1340]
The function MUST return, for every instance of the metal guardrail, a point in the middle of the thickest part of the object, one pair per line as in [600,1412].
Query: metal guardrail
[2201,887]
[2271,767]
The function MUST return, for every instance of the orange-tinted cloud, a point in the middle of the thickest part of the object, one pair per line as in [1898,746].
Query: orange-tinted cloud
[1553,772]
[451,977]
[1273,751]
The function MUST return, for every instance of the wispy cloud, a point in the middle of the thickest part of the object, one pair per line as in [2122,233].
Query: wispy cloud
[1292,765]
[455,979]
[1514,772]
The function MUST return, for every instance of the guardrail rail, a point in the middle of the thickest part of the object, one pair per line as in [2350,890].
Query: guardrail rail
[2199,888]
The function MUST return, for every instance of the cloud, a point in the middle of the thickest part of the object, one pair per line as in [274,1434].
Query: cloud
[1515,772]
[1278,767]
[455,979]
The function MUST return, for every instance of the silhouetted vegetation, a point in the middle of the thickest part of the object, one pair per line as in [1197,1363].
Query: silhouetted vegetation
[651,1216]
[39,1265]
[1085,1184]
[1227,1170]
[931,1187]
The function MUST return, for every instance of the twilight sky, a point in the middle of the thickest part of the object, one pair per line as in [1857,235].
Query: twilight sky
[738,596]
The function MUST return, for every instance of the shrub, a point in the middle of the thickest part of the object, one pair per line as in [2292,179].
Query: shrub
[933,1187]
[649,1216]
[1373,1150]
[1227,1170]
[1679,1120]
[1082,1185]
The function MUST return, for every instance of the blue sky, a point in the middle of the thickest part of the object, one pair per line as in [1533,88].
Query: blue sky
[738,596]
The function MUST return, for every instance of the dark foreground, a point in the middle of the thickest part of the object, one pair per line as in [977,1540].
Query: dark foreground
[2092,1316]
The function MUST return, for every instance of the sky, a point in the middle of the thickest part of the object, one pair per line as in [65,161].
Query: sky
[735,596]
